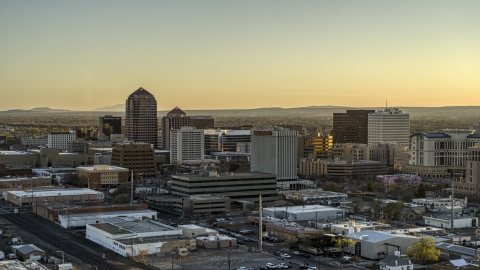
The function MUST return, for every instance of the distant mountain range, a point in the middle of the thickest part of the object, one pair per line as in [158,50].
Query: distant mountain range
[36,110]
[327,110]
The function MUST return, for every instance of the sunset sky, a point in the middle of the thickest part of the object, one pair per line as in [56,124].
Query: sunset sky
[82,55]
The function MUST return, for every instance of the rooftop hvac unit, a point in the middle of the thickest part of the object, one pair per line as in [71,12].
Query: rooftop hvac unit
[364,237]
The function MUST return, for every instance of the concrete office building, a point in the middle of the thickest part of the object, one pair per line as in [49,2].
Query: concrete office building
[195,205]
[110,124]
[137,157]
[318,147]
[238,186]
[389,125]
[77,146]
[141,117]
[103,176]
[275,151]
[60,140]
[186,143]
[175,119]
[342,168]
[351,127]
[229,139]
[470,185]
[30,141]
[438,155]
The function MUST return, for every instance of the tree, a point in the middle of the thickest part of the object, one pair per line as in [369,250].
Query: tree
[143,256]
[357,203]
[370,187]
[330,186]
[343,242]
[424,250]
[233,166]
[394,209]
[121,198]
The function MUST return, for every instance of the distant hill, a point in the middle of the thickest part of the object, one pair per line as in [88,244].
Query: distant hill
[114,108]
[36,110]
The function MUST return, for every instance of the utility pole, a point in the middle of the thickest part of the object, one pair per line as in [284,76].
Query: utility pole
[228,255]
[260,224]
[131,191]
[453,199]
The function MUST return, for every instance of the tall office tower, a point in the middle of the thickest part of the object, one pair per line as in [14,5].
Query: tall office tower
[275,151]
[319,147]
[389,125]
[60,140]
[211,140]
[141,117]
[351,127]
[229,139]
[109,124]
[202,121]
[186,143]
[138,157]
[175,119]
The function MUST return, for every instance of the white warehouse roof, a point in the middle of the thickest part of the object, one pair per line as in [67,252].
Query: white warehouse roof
[49,193]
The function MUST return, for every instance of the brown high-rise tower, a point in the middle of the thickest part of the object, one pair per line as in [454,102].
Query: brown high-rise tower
[351,127]
[141,124]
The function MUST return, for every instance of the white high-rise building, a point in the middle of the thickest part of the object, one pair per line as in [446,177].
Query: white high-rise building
[186,143]
[389,125]
[275,151]
[60,140]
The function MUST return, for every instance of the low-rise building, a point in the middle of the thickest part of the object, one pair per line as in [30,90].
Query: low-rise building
[394,262]
[304,212]
[103,176]
[28,252]
[217,241]
[80,220]
[353,226]
[195,205]
[31,141]
[18,265]
[314,196]
[127,237]
[433,203]
[376,245]
[52,209]
[25,182]
[342,168]
[69,195]
[445,221]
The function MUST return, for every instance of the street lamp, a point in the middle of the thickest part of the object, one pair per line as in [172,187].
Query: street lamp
[63,256]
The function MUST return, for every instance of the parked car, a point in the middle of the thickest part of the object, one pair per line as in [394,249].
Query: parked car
[271,266]
[240,242]
[303,267]
[228,218]
[286,256]
[282,266]
[278,253]
[297,253]
[306,255]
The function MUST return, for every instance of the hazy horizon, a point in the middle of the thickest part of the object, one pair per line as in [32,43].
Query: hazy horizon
[215,55]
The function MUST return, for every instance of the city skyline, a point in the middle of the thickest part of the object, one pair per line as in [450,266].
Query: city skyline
[239,55]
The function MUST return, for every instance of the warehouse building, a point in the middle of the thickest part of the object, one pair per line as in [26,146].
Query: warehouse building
[127,237]
[81,220]
[304,212]
[376,245]
[68,195]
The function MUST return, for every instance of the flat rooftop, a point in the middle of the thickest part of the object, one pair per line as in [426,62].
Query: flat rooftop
[100,215]
[377,236]
[15,153]
[50,193]
[250,175]
[303,208]
[214,238]
[152,239]
[10,179]
[93,168]
[129,226]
